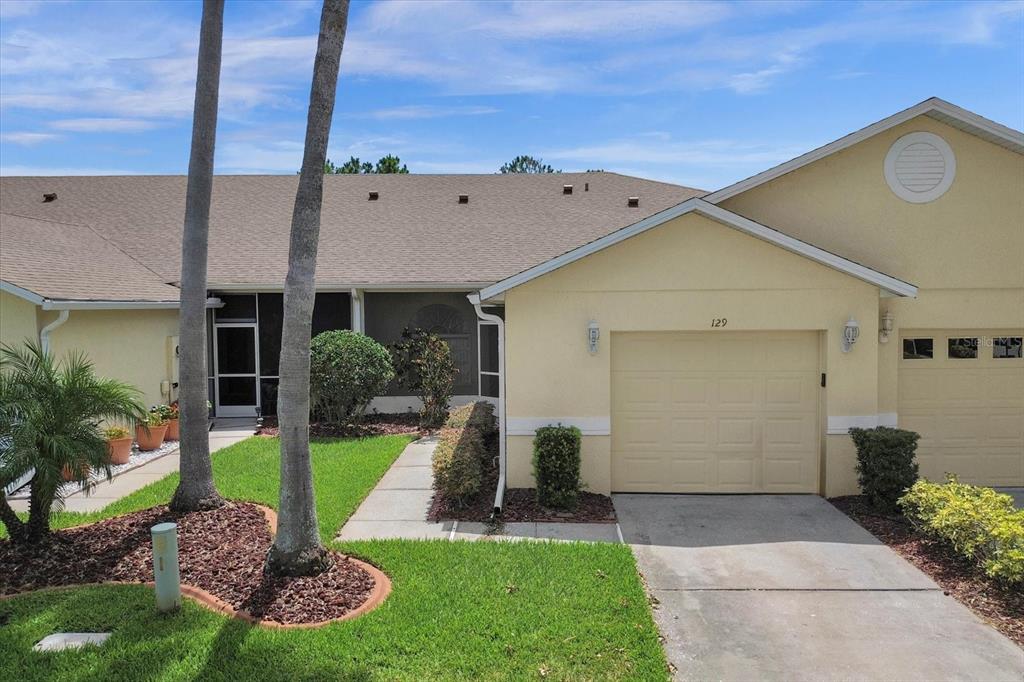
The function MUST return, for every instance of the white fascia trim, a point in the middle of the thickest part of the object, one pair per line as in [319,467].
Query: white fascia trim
[1012,138]
[588,426]
[348,287]
[721,215]
[840,426]
[25,294]
[121,305]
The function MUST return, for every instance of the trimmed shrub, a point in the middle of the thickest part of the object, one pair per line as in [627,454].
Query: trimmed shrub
[347,370]
[456,464]
[423,364]
[886,467]
[977,522]
[556,466]
[478,415]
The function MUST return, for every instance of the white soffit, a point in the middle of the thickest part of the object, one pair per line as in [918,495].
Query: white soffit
[935,108]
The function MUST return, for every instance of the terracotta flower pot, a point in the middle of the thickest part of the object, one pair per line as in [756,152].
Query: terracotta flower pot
[69,475]
[119,450]
[151,440]
[172,430]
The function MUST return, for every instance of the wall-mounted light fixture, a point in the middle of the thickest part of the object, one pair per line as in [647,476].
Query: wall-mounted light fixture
[593,334]
[885,328]
[850,333]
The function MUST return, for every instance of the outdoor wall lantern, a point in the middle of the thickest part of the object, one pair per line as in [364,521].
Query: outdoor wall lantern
[886,327]
[850,333]
[593,334]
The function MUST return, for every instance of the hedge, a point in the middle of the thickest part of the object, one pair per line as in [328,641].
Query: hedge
[886,465]
[977,522]
[463,451]
[556,466]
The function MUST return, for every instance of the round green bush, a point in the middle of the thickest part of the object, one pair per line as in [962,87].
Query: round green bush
[347,370]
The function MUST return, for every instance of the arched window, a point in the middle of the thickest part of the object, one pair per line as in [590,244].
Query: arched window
[449,324]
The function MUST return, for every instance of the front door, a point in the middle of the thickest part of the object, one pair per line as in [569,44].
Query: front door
[235,352]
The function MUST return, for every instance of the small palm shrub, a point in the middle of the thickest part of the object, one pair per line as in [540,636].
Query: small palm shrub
[556,466]
[456,464]
[977,522]
[50,416]
[886,464]
[424,365]
[347,370]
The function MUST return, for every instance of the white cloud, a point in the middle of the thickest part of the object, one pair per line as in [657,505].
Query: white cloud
[421,111]
[24,170]
[28,139]
[103,125]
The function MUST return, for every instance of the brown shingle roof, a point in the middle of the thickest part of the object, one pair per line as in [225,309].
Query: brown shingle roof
[415,233]
[62,261]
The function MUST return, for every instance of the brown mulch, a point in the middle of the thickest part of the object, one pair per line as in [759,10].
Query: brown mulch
[370,425]
[1001,606]
[520,505]
[220,551]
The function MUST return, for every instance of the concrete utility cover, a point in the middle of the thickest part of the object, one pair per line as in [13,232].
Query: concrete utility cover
[60,641]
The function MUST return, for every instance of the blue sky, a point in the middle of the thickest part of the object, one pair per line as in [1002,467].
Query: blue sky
[699,93]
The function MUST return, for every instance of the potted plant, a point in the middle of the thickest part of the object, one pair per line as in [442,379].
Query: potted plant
[119,444]
[150,432]
[170,414]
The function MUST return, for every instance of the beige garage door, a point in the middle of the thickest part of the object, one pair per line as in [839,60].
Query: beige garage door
[715,412]
[963,391]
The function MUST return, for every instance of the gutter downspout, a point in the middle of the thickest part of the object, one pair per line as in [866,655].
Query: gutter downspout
[474,299]
[44,333]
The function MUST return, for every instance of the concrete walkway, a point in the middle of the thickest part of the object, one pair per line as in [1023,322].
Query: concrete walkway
[398,508]
[787,587]
[225,432]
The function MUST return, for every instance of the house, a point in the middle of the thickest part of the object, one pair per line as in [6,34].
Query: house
[703,342]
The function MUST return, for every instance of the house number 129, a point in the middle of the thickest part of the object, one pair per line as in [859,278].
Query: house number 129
[719,322]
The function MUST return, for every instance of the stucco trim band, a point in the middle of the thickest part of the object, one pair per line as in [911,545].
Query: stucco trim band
[589,426]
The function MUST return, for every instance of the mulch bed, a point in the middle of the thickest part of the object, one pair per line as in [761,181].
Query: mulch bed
[520,505]
[371,425]
[1002,607]
[221,552]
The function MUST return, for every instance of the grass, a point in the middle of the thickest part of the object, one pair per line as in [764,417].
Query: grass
[459,610]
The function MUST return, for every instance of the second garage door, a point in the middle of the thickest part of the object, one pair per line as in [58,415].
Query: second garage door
[715,412]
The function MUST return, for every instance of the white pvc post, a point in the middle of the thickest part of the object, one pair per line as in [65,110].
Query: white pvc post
[165,566]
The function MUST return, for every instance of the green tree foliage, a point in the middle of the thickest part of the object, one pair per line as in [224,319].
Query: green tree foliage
[347,370]
[527,164]
[50,417]
[424,365]
[354,166]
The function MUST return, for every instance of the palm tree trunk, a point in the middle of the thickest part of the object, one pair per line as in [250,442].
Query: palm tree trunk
[196,490]
[297,549]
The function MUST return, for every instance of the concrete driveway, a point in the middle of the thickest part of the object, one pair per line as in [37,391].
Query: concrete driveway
[786,587]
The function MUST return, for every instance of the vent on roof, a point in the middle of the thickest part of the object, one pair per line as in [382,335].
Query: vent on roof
[463,198]
[374,196]
[566,189]
[50,196]
[633,202]
[586,186]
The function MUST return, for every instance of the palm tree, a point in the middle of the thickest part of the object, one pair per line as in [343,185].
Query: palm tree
[195,489]
[50,415]
[297,549]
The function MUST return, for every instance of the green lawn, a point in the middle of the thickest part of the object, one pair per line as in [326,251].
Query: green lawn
[458,610]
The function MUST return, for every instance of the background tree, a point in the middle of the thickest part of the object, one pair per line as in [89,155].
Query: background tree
[196,489]
[527,164]
[50,415]
[354,166]
[297,549]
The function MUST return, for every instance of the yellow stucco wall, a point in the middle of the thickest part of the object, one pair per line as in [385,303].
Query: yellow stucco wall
[129,345]
[17,320]
[678,276]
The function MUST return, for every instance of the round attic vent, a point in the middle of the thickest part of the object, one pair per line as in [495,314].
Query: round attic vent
[920,167]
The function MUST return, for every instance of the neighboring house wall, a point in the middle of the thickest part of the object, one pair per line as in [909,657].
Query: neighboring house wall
[676,277]
[964,250]
[128,345]
[18,320]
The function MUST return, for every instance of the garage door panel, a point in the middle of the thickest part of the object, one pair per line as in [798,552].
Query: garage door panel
[969,411]
[726,406]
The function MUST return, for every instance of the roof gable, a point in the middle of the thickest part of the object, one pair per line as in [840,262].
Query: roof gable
[885,282]
[934,107]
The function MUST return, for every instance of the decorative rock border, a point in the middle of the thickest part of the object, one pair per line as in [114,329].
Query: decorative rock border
[381,589]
